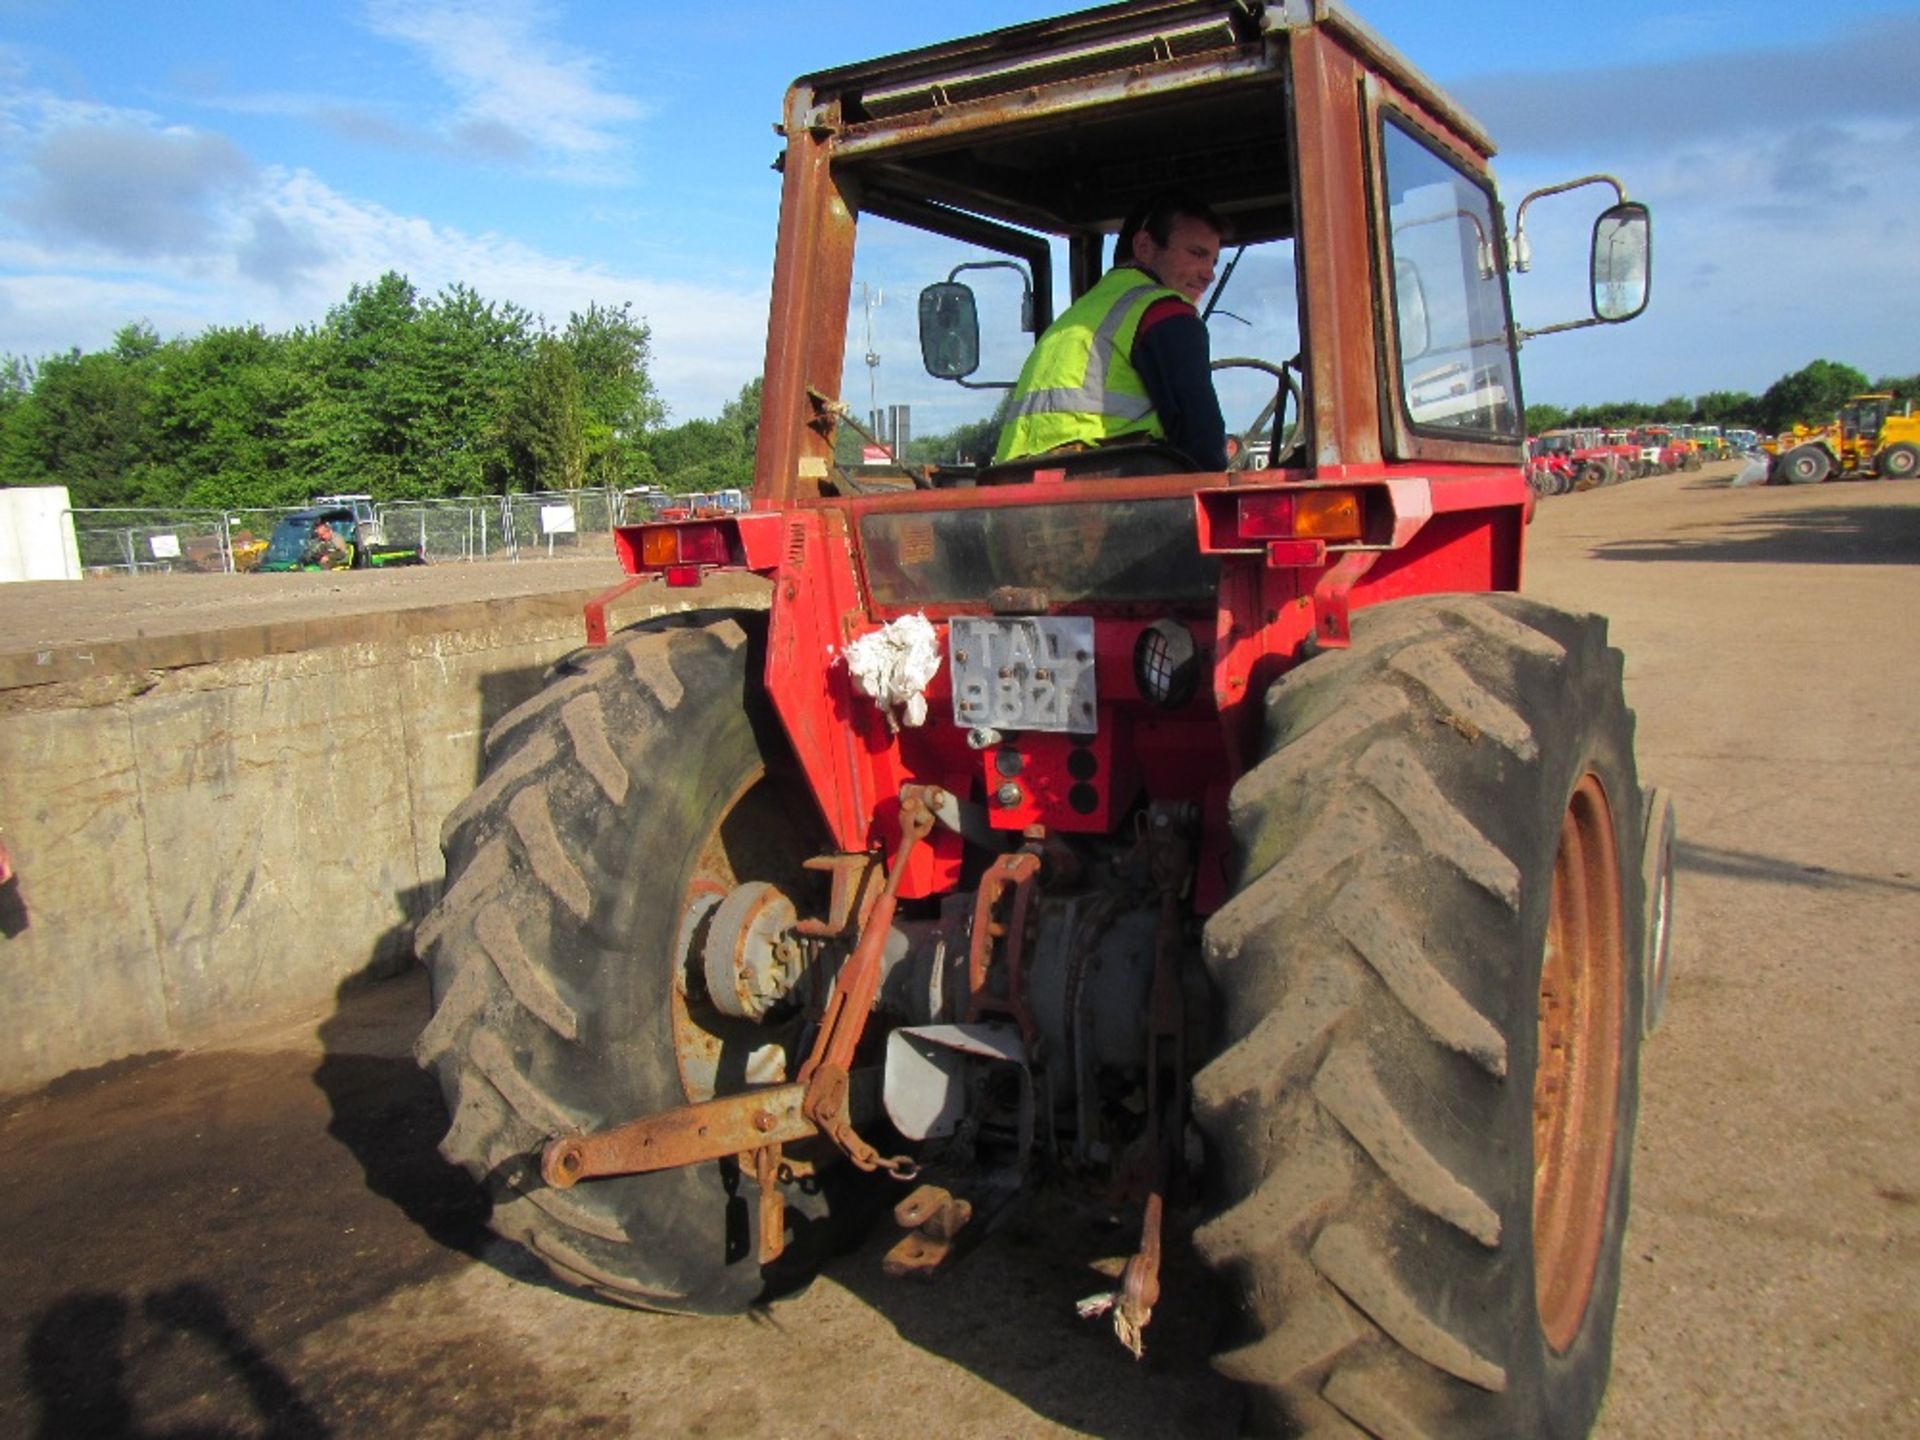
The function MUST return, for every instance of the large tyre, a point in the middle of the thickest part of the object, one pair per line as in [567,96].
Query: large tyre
[1429,989]
[1804,465]
[643,781]
[1898,462]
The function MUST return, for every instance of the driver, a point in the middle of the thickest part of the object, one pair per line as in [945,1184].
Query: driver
[329,549]
[1129,358]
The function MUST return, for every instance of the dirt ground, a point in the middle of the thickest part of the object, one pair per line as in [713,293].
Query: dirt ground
[262,1241]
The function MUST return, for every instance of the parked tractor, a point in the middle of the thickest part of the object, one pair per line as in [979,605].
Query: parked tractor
[1868,437]
[1550,463]
[1592,460]
[1663,451]
[1231,850]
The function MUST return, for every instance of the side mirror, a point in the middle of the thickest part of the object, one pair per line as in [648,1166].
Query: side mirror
[1622,263]
[1410,308]
[949,331]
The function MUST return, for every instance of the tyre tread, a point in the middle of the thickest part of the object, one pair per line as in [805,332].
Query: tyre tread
[1345,1255]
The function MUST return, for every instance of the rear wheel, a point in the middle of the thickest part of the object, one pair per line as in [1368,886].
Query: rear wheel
[1899,462]
[1420,1113]
[1804,465]
[617,805]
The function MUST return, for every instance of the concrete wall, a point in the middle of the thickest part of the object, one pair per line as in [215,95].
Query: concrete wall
[211,832]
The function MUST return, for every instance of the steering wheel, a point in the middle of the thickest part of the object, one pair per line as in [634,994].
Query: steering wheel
[1271,414]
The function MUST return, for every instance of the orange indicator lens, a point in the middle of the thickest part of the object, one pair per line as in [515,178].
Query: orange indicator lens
[1328,515]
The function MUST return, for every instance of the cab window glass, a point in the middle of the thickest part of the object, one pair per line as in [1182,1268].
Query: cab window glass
[1456,362]
[920,417]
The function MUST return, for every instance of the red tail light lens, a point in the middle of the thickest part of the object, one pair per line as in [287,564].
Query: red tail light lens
[1266,515]
[703,544]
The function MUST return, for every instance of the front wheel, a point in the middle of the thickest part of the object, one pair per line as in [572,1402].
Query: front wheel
[1804,465]
[1420,1113]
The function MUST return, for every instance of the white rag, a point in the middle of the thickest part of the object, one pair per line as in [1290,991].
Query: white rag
[894,664]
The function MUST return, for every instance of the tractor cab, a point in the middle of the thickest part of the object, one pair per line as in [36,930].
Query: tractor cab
[966,195]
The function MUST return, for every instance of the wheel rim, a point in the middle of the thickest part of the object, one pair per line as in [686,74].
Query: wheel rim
[760,834]
[1662,909]
[1576,1084]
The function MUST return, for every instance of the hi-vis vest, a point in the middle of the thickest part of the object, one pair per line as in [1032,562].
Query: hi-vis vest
[1078,385]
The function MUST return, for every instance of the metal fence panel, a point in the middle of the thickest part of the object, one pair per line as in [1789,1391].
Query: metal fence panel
[526,526]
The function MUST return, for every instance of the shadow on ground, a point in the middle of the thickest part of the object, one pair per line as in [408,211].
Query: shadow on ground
[383,1108]
[1869,535]
[175,1229]
[1771,870]
[1007,1314]
[84,1346]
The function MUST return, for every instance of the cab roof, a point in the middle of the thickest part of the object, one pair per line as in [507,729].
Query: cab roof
[1162,94]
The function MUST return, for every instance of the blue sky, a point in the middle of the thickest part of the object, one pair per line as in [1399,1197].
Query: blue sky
[215,162]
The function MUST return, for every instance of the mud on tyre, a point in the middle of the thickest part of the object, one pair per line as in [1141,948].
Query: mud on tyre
[1428,984]
[616,805]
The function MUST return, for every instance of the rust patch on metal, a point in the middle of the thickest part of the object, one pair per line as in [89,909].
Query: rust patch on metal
[1576,1080]
[686,1135]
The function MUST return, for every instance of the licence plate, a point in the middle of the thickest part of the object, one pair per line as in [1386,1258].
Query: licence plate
[1034,672]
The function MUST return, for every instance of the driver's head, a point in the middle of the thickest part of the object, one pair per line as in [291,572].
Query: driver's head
[1175,236]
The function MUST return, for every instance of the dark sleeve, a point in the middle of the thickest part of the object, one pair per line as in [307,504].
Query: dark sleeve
[1170,352]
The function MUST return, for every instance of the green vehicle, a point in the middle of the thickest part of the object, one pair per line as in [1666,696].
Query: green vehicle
[329,537]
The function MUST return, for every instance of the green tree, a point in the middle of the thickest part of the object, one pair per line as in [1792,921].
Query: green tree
[86,425]
[473,357]
[1809,396]
[1542,418]
[696,455]
[1727,408]
[549,424]
[222,410]
[610,350]
[353,430]
[710,454]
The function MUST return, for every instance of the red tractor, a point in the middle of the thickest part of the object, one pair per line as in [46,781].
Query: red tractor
[1550,463]
[1236,847]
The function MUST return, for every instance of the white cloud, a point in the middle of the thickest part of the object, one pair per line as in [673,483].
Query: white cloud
[289,246]
[108,216]
[1864,71]
[131,189]
[519,92]
[1768,253]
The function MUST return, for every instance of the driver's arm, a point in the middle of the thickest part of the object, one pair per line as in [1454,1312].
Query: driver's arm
[1171,353]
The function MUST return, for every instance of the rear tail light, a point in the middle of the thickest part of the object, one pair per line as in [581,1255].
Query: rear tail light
[664,547]
[1330,516]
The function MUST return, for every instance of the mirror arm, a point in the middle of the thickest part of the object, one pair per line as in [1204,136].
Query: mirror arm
[1521,254]
[1521,336]
[1026,284]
